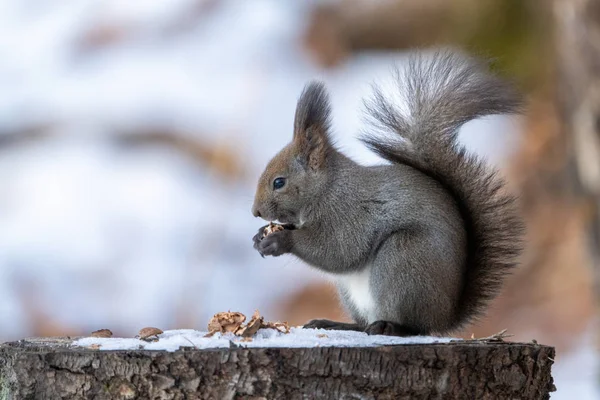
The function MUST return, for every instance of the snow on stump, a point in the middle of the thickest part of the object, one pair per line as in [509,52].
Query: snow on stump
[304,364]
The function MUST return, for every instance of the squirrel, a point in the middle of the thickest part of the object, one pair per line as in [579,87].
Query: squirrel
[421,244]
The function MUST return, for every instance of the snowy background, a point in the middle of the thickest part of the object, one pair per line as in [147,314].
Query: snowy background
[100,227]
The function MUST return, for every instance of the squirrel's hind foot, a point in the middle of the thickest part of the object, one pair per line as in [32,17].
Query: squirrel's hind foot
[389,328]
[332,325]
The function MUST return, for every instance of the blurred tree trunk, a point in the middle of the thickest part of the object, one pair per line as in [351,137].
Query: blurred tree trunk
[578,50]
[507,30]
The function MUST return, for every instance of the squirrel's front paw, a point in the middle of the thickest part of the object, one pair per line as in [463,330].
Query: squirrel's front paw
[259,237]
[275,244]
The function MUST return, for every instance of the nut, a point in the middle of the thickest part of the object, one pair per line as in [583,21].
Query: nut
[149,333]
[225,322]
[102,333]
[272,228]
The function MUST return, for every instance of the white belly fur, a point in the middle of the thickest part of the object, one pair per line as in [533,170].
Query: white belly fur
[356,286]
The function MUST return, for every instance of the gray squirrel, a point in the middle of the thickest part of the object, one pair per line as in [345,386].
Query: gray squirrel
[420,245]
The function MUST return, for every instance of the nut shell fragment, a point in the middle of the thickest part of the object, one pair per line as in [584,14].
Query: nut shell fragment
[255,323]
[102,333]
[282,327]
[234,322]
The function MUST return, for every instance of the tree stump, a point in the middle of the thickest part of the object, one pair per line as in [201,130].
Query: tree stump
[54,369]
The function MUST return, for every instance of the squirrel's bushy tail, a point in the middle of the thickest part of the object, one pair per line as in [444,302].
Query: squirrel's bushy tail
[441,93]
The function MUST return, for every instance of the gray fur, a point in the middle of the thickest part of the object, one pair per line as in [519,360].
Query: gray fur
[433,230]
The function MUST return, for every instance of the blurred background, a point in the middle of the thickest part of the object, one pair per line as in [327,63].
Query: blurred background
[132,134]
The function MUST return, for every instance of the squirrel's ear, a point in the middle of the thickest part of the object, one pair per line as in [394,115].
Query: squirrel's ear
[311,125]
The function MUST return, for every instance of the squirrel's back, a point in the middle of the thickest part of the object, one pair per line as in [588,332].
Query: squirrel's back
[441,93]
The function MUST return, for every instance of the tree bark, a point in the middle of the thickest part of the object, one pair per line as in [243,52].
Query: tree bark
[52,369]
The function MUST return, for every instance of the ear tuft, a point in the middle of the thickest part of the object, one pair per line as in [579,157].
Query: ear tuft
[312,123]
[313,109]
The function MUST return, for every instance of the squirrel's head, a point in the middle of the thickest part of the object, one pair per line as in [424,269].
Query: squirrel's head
[296,177]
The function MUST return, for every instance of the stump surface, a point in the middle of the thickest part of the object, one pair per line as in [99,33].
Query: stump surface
[53,369]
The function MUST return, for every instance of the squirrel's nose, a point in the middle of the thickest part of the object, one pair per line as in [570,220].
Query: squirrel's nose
[256,212]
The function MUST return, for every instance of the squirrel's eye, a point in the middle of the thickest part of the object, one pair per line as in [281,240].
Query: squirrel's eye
[278,183]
